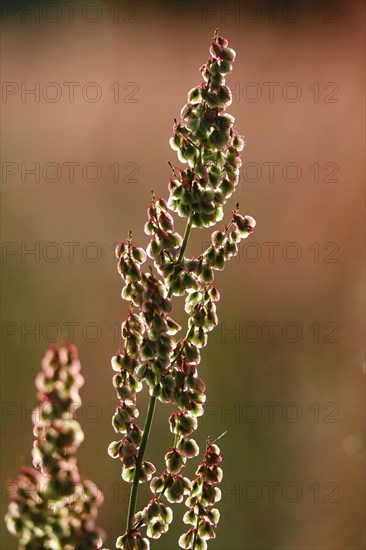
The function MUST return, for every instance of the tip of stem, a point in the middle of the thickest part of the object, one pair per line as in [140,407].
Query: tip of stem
[209,439]
[172,168]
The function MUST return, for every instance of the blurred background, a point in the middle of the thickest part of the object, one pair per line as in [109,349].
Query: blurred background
[89,94]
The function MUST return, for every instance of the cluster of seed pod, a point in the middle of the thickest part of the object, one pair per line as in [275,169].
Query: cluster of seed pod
[203,496]
[165,243]
[204,138]
[127,386]
[224,245]
[145,356]
[51,505]
[187,391]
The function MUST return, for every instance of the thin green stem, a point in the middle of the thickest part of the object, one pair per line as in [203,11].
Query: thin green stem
[140,456]
[183,249]
[150,410]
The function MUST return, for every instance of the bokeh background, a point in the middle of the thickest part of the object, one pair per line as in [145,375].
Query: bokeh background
[284,368]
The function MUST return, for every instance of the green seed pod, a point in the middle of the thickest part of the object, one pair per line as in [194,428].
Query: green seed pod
[214,175]
[219,260]
[224,122]
[159,324]
[191,353]
[149,228]
[194,124]
[119,422]
[148,350]
[196,220]
[172,326]
[194,95]
[156,390]
[155,246]
[226,187]
[155,529]
[214,68]
[139,255]
[219,214]
[127,475]
[210,257]
[135,434]
[213,516]
[127,449]
[157,484]
[198,318]
[207,275]
[217,79]
[217,140]
[188,447]
[164,362]
[206,530]
[141,371]
[132,273]
[190,518]
[177,287]
[199,337]
[147,470]
[174,461]
[225,67]
[188,281]
[166,222]
[189,152]
[211,320]
[224,97]
[230,249]
[218,237]
[116,362]
[132,348]
[165,396]
[113,449]
[124,392]
[238,142]
[175,143]
[151,377]
[167,269]
[233,236]
[210,98]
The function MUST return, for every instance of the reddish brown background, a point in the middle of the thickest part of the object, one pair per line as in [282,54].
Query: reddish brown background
[313,447]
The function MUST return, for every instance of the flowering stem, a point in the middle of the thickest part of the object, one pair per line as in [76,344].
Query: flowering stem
[150,410]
